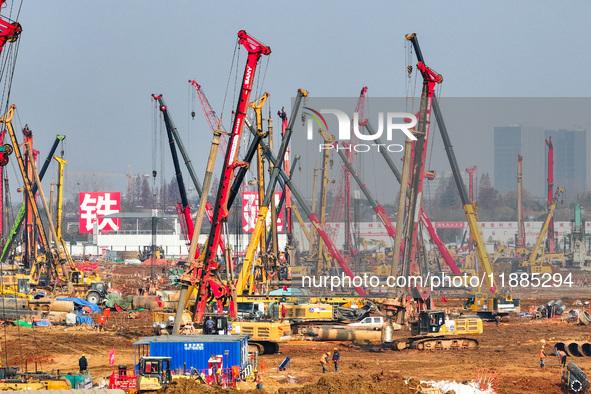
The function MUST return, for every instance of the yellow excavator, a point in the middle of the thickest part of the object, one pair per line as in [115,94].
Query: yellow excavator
[434,331]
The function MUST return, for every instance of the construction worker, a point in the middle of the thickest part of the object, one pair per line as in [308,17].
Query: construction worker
[258,380]
[209,326]
[83,364]
[324,361]
[101,323]
[561,354]
[336,357]
[542,357]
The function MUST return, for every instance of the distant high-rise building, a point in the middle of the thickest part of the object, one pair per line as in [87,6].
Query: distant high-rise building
[570,160]
[510,141]
[572,157]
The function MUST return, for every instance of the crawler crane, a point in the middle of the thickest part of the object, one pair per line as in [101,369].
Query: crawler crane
[203,273]
[486,304]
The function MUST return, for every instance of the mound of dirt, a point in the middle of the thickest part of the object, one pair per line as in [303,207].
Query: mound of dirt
[189,386]
[379,383]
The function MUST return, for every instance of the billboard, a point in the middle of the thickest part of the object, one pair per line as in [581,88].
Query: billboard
[250,212]
[94,205]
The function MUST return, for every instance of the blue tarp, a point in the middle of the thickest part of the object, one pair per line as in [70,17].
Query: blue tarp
[42,323]
[84,320]
[79,301]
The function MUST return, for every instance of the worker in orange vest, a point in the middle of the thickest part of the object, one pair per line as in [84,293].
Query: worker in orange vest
[542,357]
[561,357]
[258,380]
[324,360]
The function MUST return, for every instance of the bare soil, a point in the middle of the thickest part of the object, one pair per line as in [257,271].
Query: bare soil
[508,354]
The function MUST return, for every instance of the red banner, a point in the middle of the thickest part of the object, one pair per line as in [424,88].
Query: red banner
[95,205]
[250,212]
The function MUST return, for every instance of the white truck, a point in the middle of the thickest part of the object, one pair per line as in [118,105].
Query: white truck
[369,323]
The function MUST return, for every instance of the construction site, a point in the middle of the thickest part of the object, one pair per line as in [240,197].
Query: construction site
[306,247]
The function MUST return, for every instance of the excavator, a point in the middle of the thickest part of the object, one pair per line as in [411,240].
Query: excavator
[433,330]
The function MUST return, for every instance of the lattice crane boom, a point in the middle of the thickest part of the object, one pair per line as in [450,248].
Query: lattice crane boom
[212,119]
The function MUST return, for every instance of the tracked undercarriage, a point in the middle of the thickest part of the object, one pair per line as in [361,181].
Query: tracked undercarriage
[443,342]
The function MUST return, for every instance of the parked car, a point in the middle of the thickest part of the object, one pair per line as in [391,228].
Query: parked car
[369,323]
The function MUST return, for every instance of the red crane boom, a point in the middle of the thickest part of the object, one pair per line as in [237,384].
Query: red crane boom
[204,273]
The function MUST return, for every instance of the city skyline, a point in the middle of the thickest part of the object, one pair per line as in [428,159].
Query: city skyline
[570,152]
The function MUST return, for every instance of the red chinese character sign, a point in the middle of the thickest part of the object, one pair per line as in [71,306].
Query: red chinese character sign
[95,205]
[250,212]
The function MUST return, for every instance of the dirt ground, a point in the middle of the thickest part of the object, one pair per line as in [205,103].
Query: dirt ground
[508,355]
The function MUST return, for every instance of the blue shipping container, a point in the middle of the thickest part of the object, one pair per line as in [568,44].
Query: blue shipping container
[195,350]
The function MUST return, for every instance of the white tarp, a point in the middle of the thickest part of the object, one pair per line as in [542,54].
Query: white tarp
[459,388]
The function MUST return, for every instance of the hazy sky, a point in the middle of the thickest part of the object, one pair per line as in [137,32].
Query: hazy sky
[87,69]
